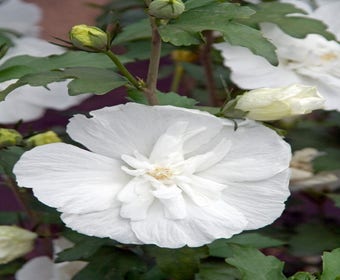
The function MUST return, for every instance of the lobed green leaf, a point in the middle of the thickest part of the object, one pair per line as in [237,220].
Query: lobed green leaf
[254,265]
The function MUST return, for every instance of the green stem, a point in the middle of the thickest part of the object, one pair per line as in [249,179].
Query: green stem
[151,82]
[123,70]
[22,200]
[177,77]
[208,68]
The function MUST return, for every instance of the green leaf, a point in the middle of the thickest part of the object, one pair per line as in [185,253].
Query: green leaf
[253,265]
[329,161]
[112,264]
[19,66]
[10,268]
[170,98]
[331,265]
[335,197]
[217,271]
[154,274]
[221,247]
[216,15]
[245,36]
[135,31]
[313,238]
[92,72]
[82,250]
[187,29]
[302,276]
[295,26]
[8,157]
[83,80]
[179,264]
[9,218]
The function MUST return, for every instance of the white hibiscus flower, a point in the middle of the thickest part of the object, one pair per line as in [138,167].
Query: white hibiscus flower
[30,103]
[20,17]
[310,61]
[161,175]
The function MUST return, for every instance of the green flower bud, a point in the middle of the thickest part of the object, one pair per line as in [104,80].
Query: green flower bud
[43,139]
[9,137]
[88,38]
[166,9]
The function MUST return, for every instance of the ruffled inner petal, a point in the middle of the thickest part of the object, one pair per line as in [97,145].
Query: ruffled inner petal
[201,226]
[172,201]
[204,161]
[170,143]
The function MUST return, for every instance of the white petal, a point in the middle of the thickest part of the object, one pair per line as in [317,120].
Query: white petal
[202,191]
[69,178]
[201,226]
[261,202]
[55,97]
[172,201]
[170,143]
[138,208]
[33,47]
[29,103]
[21,17]
[257,152]
[40,268]
[204,161]
[328,13]
[251,71]
[135,127]
[136,163]
[12,111]
[136,197]
[106,223]
[132,189]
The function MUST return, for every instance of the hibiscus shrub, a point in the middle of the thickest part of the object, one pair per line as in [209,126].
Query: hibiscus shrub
[206,144]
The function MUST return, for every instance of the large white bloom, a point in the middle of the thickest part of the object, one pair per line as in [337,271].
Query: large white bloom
[20,17]
[161,175]
[29,103]
[311,61]
[43,268]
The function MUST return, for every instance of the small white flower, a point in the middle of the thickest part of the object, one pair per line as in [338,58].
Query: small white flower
[161,175]
[21,17]
[311,61]
[15,242]
[30,103]
[268,104]
[43,268]
[303,175]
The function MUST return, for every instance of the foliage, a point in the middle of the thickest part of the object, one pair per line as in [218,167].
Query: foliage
[280,251]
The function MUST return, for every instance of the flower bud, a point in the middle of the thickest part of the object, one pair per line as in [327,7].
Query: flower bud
[166,9]
[183,56]
[9,137]
[47,137]
[268,104]
[88,38]
[14,243]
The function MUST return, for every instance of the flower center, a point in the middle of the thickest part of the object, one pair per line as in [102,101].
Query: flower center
[161,173]
[328,56]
